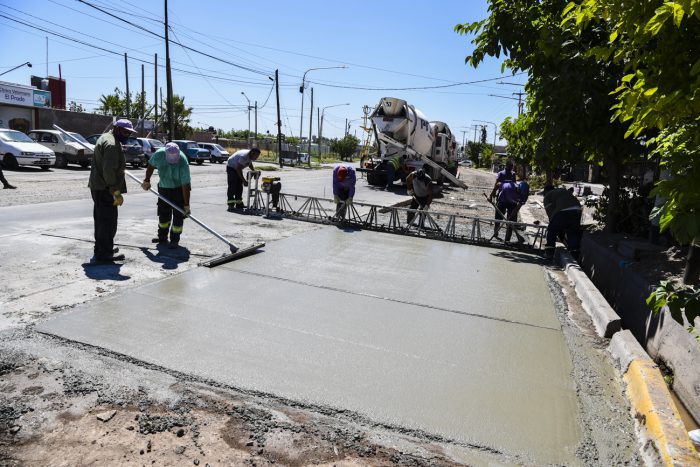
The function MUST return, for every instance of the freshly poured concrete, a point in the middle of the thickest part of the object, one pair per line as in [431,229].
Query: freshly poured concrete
[451,339]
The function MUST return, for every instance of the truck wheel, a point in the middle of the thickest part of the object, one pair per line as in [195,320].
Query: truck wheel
[10,162]
[61,161]
[376,178]
[200,162]
[85,164]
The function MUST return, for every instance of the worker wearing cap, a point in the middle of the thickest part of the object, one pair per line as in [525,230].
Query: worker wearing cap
[507,199]
[234,172]
[343,188]
[107,184]
[420,189]
[564,213]
[174,184]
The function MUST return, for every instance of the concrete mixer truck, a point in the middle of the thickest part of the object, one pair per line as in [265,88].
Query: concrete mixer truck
[401,129]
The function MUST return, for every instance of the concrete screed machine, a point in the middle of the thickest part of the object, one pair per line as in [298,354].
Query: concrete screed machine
[401,129]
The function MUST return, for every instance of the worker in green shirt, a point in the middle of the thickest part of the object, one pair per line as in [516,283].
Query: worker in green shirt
[174,183]
[394,167]
[107,185]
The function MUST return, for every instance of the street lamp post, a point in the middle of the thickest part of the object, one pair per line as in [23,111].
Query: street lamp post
[246,98]
[320,128]
[301,90]
[18,66]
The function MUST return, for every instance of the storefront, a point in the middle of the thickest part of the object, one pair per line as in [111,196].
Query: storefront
[18,105]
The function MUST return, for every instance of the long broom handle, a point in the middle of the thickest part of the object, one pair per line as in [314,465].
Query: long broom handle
[166,200]
[181,211]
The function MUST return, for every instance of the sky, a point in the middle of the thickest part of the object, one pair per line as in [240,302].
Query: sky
[235,47]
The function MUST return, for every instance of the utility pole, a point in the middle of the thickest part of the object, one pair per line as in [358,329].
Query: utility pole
[126,72]
[169,79]
[318,117]
[464,133]
[143,101]
[311,120]
[155,96]
[255,138]
[279,120]
[346,127]
[475,129]
[520,101]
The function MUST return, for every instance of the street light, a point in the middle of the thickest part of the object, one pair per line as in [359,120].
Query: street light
[18,66]
[320,128]
[246,98]
[301,90]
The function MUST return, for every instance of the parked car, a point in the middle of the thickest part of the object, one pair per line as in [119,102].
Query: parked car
[17,149]
[149,146]
[193,152]
[466,163]
[218,153]
[66,150]
[133,152]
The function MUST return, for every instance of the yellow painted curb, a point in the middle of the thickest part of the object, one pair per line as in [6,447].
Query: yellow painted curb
[665,440]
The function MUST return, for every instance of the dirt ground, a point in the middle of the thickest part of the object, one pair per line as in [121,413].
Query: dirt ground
[63,403]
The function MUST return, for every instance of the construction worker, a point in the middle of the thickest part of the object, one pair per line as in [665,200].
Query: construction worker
[234,172]
[107,185]
[564,213]
[343,188]
[506,196]
[394,167]
[420,189]
[5,184]
[174,184]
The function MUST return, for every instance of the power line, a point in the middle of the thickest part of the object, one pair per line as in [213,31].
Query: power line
[415,88]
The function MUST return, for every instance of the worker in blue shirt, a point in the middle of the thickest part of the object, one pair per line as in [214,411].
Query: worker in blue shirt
[343,188]
[174,183]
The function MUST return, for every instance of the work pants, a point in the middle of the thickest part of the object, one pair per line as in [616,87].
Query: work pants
[4,181]
[511,212]
[341,208]
[566,225]
[104,214]
[235,188]
[416,202]
[169,219]
[391,173]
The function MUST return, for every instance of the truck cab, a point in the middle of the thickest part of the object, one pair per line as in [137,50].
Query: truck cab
[193,152]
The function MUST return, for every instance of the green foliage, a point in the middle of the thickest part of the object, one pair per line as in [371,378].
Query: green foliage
[115,104]
[345,147]
[682,301]
[473,150]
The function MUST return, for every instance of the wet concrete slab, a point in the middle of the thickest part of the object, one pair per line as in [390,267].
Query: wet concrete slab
[455,340]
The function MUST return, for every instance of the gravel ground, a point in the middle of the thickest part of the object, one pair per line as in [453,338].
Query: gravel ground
[63,403]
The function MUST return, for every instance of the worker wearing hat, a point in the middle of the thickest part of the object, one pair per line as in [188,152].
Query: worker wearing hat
[174,184]
[420,189]
[343,188]
[107,184]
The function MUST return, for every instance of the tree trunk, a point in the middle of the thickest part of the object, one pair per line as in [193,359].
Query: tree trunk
[691,276]
[612,167]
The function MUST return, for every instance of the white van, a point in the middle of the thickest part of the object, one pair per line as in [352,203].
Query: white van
[17,149]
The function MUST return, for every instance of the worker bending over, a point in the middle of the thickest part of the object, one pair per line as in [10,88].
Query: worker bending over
[420,189]
[564,213]
[506,196]
[343,188]
[174,183]
[234,171]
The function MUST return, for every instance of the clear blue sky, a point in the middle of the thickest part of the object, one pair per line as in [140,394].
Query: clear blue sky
[385,44]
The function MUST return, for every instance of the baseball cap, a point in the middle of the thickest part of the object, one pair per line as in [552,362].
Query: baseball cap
[172,149]
[126,124]
[342,173]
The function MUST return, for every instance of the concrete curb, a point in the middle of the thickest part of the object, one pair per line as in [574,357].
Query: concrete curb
[605,320]
[663,436]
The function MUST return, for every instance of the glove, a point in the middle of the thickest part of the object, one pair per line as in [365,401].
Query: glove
[187,211]
[146,185]
[336,200]
[118,199]
[348,201]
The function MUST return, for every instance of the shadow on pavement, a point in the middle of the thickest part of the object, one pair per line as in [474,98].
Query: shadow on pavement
[522,257]
[104,272]
[169,258]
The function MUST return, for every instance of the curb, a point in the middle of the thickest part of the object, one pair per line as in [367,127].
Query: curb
[605,320]
[662,434]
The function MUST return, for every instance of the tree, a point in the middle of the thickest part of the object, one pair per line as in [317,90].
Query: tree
[568,91]
[345,147]
[115,105]
[655,42]
[181,118]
